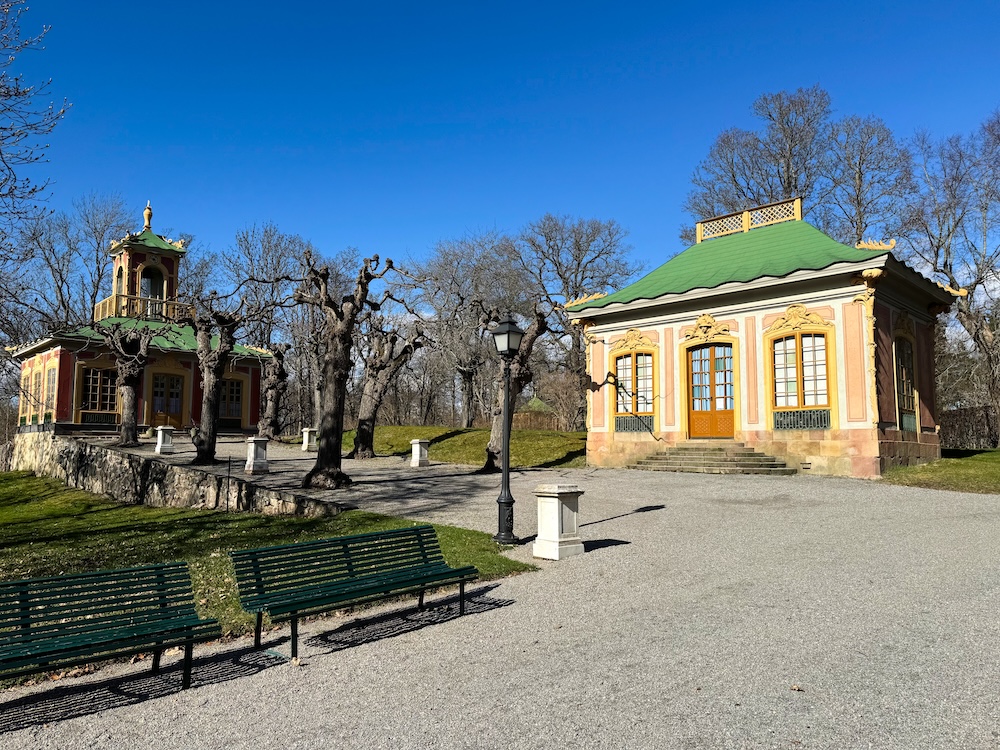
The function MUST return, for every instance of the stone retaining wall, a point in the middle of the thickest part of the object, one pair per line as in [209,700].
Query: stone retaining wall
[140,480]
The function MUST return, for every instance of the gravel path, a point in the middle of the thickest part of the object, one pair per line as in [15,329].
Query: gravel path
[708,612]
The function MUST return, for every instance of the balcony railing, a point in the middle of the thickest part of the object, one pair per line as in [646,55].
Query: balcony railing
[128,306]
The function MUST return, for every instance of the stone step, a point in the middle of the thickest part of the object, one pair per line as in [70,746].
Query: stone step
[761,462]
[711,457]
[774,471]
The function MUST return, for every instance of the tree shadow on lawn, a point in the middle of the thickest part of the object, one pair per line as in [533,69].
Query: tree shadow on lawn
[72,698]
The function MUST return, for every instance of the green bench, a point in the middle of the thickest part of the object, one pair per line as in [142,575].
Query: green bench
[64,621]
[311,577]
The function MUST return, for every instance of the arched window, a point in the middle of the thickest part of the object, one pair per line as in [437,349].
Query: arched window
[151,283]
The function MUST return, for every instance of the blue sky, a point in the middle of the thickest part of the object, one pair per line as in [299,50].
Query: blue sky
[392,126]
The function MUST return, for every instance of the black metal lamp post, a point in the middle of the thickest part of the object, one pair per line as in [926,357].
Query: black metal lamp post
[507,337]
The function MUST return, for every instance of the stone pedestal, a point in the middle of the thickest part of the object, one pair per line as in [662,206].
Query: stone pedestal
[309,438]
[418,453]
[165,440]
[256,456]
[558,528]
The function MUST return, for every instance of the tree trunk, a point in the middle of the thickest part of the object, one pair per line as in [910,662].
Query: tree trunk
[212,364]
[327,472]
[364,437]
[274,386]
[127,388]
[520,376]
[207,435]
[468,397]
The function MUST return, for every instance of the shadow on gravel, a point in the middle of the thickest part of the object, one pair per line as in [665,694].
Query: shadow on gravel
[392,624]
[643,509]
[72,698]
[596,544]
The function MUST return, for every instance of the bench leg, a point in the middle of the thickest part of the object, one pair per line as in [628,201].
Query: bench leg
[420,601]
[156,661]
[256,632]
[461,598]
[295,637]
[186,683]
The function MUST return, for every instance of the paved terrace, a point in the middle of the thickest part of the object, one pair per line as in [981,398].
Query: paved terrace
[708,612]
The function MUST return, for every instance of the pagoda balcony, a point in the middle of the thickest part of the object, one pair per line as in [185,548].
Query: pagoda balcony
[146,308]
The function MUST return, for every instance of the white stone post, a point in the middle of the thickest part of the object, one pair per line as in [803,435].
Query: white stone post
[418,453]
[256,456]
[309,438]
[558,529]
[165,439]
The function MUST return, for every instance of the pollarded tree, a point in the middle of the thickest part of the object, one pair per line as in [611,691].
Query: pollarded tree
[129,343]
[215,329]
[385,350]
[340,316]
[273,388]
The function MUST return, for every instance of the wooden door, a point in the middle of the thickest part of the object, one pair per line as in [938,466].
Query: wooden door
[168,391]
[711,391]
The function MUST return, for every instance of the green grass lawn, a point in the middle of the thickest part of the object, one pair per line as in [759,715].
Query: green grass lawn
[528,448]
[47,529]
[963,471]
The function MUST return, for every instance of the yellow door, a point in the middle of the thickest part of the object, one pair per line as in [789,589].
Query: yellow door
[710,391]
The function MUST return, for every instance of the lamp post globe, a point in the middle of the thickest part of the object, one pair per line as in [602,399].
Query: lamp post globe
[507,337]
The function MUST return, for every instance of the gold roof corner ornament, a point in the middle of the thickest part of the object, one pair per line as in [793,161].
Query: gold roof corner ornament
[587,298]
[706,328]
[961,292]
[873,245]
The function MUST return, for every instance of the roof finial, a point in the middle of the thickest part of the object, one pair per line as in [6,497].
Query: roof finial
[148,216]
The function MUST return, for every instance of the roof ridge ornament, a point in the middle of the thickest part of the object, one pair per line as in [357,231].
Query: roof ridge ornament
[781,211]
[147,215]
[873,245]
[585,298]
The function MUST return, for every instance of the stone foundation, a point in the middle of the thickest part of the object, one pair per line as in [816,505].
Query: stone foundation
[139,480]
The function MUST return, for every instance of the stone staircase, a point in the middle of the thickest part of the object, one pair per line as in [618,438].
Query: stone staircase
[714,457]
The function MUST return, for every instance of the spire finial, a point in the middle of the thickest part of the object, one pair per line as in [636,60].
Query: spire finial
[148,216]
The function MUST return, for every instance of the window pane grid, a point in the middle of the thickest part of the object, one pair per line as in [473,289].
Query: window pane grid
[633,383]
[800,371]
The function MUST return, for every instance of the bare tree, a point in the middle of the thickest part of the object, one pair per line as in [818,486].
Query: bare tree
[954,233]
[871,176]
[24,121]
[520,377]
[129,343]
[566,259]
[384,351]
[341,313]
[215,325]
[273,388]
[461,279]
[787,159]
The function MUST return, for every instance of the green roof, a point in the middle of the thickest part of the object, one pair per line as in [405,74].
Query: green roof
[173,337]
[148,239]
[773,251]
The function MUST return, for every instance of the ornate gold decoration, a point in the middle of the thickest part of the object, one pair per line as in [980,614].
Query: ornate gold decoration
[633,340]
[147,215]
[955,293]
[706,328]
[795,318]
[873,245]
[867,298]
[904,324]
[587,298]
